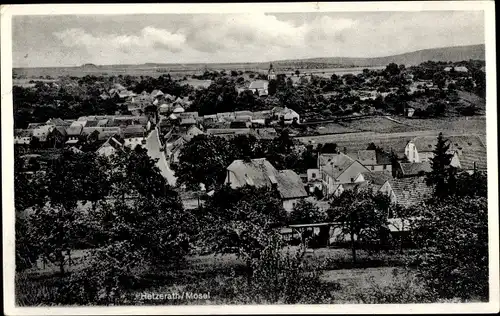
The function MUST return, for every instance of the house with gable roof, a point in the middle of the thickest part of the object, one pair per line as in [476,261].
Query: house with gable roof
[375,160]
[469,152]
[261,173]
[407,192]
[111,146]
[339,169]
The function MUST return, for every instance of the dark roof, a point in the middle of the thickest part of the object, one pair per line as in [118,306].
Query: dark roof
[377,177]
[383,158]
[415,168]
[290,185]
[410,191]
[103,132]
[468,157]
[134,131]
[61,130]
[261,173]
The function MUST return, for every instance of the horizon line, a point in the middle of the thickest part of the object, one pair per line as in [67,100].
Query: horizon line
[247,62]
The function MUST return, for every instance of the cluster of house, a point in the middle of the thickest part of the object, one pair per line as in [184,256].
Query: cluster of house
[101,131]
[404,182]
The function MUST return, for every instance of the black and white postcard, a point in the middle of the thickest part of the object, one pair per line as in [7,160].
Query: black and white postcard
[239,158]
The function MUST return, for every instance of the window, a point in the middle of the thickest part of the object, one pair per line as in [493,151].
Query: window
[372,167]
[385,167]
[352,179]
[313,175]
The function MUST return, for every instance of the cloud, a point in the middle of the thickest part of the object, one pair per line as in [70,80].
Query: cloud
[212,32]
[149,37]
[238,37]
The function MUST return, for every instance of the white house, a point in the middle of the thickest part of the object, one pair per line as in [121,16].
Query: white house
[466,150]
[373,160]
[22,136]
[339,169]
[111,146]
[259,86]
[288,115]
[41,132]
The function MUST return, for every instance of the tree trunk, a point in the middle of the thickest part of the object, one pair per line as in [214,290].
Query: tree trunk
[353,247]
[61,262]
[249,272]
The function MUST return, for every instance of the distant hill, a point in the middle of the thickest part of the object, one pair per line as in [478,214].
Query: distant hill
[89,66]
[453,54]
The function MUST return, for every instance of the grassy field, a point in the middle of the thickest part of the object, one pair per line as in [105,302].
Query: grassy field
[378,124]
[476,125]
[222,275]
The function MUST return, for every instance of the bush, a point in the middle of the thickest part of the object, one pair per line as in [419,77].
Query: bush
[404,289]
[284,277]
[453,236]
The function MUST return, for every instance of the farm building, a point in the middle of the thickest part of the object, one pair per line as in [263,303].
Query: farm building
[261,173]
[469,152]
[374,160]
[412,169]
[111,146]
[22,136]
[260,87]
[134,135]
[339,169]
[407,191]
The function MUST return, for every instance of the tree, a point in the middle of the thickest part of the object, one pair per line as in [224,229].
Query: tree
[240,221]
[329,148]
[453,239]
[297,72]
[204,160]
[443,174]
[472,185]
[147,228]
[392,69]
[361,214]
[306,212]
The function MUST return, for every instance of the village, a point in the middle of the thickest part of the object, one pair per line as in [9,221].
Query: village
[163,124]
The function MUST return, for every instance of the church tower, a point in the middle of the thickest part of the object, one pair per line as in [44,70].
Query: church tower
[271,75]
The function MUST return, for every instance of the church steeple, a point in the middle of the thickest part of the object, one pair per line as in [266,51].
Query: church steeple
[271,75]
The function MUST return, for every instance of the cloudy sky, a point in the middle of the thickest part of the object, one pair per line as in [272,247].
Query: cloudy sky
[42,41]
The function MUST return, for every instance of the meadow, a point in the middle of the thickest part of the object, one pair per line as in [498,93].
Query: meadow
[381,276]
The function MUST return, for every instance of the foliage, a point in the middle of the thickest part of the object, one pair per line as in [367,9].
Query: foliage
[472,185]
[205,158]
[405,289]
[240,220]
[306,212]
[442,176]
[453,236]
[361,214]
[285,277]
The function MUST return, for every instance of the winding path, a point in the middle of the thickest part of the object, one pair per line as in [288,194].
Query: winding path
[153,146]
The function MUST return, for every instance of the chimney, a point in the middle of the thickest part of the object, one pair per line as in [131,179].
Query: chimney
[475,167]
[345,150]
